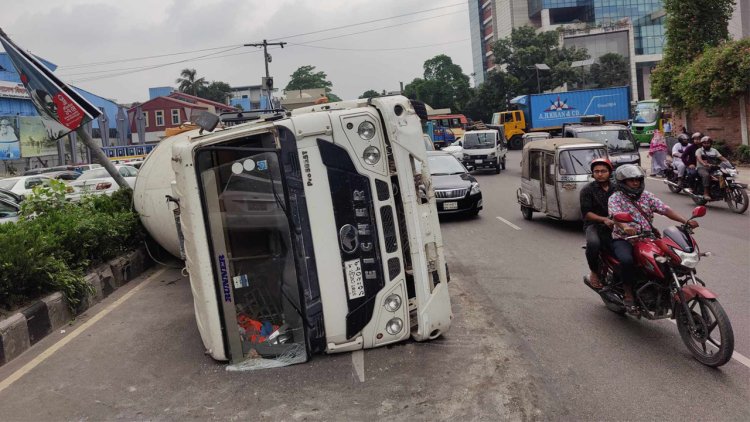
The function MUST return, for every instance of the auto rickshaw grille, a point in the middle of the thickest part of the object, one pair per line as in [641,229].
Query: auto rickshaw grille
[453,193]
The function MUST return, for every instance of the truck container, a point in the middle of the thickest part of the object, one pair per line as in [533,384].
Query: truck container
[548,112]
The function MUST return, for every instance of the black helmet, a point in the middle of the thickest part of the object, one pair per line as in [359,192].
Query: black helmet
[683,138]
[626,172]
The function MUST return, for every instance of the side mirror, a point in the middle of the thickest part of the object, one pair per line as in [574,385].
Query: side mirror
[623,217]
[699,211]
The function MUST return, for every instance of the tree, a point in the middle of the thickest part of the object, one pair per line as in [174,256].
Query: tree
[525,47]
[444,84]
[370,93]
[305,78]
[188,82]
[691,27]
[492,96]
[216,91]
[612,69]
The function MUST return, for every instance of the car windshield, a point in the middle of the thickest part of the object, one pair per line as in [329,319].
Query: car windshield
[8,183]
[645,113]
[442,165]
[615,139]
[579,161]
[94,174]
[479,140]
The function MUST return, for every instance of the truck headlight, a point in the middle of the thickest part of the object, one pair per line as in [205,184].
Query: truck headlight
[371,155]
[394,326]
[492,155]
[366,130]
[466,156]
[392,303]
[475,188]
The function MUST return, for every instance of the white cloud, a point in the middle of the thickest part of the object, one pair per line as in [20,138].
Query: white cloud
[86,31]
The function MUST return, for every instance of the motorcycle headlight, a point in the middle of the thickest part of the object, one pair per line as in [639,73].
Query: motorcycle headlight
[687,259]
[475,188]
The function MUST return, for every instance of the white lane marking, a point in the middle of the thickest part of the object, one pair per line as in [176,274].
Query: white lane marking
[508,223]
[86,325]
[358,362]
[739,357]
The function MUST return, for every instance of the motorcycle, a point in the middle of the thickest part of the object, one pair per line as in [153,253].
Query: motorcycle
[667,287]
[724,186]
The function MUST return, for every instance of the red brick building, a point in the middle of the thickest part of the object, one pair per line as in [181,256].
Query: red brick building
[213,106]
[162,113]
[730,124]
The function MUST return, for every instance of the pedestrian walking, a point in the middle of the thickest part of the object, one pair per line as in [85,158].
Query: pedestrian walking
[658,152]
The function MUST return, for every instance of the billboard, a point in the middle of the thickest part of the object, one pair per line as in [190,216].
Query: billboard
[10,147]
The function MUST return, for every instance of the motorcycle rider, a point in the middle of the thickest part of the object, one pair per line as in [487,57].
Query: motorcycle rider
[641,204]
[705,157]
[596,223]
[677,151]
[688,155]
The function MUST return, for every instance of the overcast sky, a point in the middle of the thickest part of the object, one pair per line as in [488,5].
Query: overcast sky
[71,33]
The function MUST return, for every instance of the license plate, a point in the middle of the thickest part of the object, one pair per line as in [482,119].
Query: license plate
[477,161]
[450,205]
[354,283]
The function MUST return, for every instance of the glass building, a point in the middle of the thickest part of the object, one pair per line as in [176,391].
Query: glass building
[647,17]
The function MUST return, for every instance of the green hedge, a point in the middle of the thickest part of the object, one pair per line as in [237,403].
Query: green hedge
[55,242]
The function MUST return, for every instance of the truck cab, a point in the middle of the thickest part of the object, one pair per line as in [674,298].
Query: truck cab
[621,146]
[515,126]
[484,149]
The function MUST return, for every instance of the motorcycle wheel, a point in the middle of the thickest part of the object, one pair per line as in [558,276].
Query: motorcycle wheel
[711,322]
[737,200]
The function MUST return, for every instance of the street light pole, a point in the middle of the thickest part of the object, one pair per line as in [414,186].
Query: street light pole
[266,59]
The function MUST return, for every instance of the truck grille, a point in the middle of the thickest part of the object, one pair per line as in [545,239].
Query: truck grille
[452,193]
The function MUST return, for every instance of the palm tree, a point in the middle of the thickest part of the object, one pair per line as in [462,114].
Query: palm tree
[188,83]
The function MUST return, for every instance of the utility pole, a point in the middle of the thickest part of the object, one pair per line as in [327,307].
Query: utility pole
[267,82]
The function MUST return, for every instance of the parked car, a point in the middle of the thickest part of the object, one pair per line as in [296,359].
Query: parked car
[99,182]
[8,210]
[23,185]
[45,170]
[10,195]
[455,149]
[456,191]
[65,175]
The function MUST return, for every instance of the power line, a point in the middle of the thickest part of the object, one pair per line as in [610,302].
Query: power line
[124,71]
[382,49]
[236,45]
[133,59]
[370,21]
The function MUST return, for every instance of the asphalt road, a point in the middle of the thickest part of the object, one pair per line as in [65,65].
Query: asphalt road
[529,342]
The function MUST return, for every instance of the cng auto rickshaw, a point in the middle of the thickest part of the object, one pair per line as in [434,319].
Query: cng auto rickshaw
[553,172]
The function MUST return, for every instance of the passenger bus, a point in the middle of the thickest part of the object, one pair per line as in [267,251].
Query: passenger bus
[455,122]
[648,116]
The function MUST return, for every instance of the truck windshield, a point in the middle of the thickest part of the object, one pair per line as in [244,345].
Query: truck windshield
[243,196]
[616,140]
[578,161]
[479,140]
[645,113]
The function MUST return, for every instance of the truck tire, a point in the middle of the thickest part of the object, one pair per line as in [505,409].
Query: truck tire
[516,142]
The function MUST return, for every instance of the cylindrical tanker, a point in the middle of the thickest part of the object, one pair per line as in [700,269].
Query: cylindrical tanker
[154,183]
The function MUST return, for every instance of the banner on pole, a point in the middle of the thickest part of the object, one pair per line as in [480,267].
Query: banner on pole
[62,109]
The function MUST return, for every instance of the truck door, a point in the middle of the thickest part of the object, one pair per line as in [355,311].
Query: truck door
[550,185]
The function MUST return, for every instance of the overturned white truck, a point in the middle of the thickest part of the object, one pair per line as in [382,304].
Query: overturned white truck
[303,233]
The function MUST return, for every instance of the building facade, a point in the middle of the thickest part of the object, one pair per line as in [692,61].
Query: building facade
[250,97]
[633,28]
[159,114]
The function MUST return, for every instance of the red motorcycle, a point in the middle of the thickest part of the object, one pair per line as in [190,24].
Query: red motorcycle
[667,287]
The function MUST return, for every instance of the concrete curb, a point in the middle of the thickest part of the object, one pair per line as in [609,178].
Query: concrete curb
[25,328]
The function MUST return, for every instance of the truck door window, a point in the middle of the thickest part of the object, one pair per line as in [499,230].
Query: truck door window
[517,115]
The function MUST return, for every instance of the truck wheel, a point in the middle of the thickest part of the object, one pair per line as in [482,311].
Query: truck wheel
[497,167]
[516,142]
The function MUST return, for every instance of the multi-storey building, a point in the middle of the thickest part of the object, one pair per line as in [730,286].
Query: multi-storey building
[632,28]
